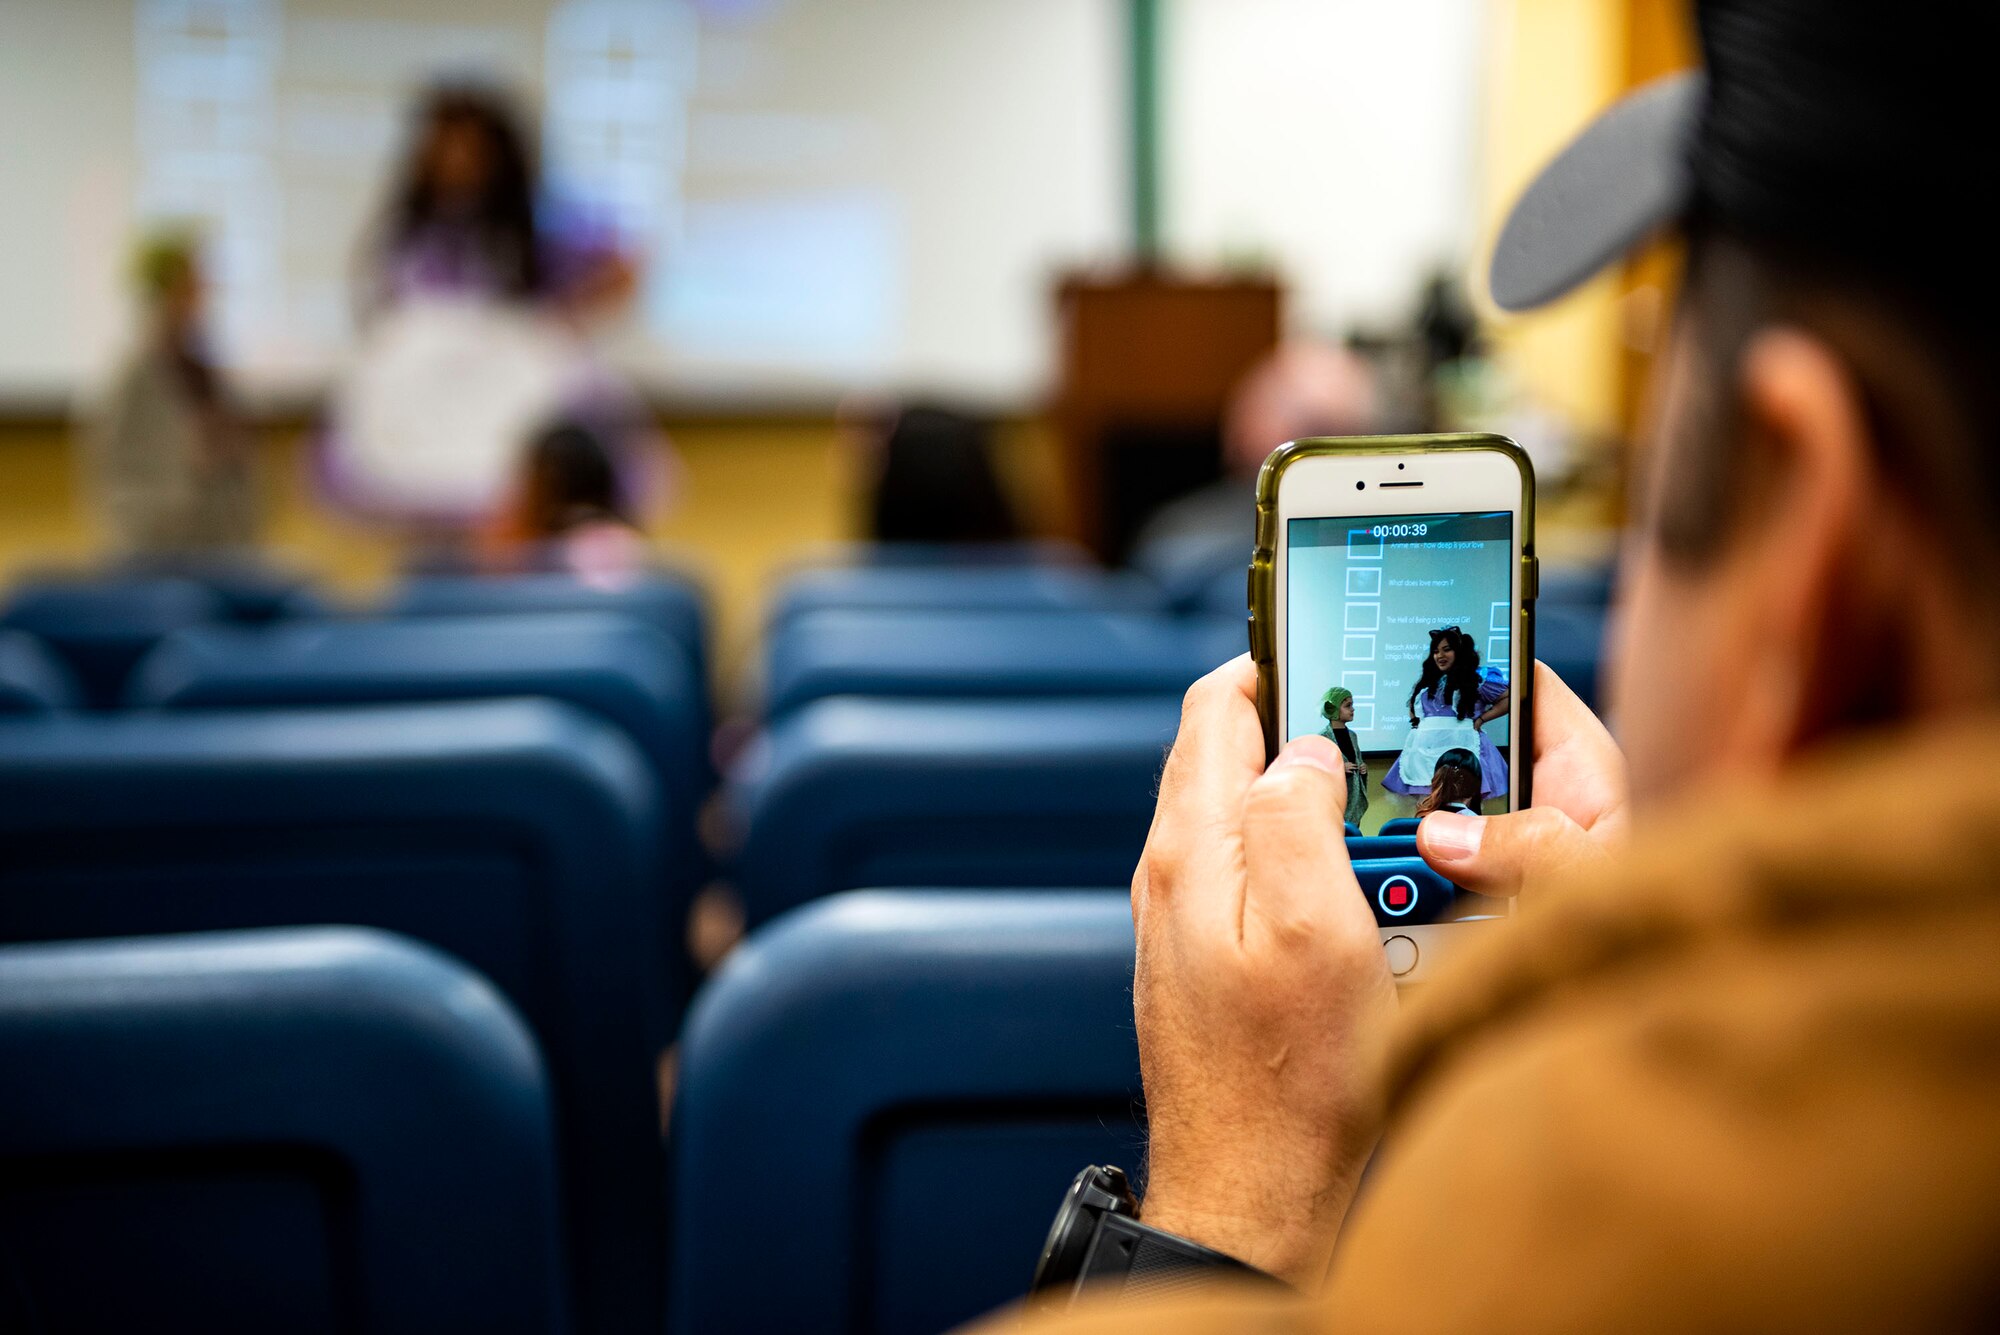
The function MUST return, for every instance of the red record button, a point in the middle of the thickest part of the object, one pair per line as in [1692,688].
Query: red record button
[1397,895]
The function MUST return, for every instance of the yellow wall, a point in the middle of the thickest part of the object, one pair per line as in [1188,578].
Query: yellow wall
[751,498]
[1554,65]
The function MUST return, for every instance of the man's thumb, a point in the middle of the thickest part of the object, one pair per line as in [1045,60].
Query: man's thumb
[1497,855]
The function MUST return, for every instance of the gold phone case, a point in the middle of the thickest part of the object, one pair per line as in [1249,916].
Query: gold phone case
[1263,572]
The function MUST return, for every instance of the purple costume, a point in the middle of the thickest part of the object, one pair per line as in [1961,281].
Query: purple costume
[1439,729]
[441,260]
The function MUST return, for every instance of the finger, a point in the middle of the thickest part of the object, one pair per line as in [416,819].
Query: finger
[1497,855]
[1219,748]
[1579,769]
[1193,857]
[1298,880]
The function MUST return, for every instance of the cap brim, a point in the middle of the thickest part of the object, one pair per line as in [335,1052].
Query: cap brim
[1622,179]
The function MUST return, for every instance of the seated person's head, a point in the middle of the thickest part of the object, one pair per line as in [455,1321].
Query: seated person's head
[1455,783]
[1820,515]
[1303,388]
[932,480]
[568,480]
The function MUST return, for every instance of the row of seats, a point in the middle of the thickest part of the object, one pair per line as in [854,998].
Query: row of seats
[520,836]
[99,628]
[895,630]
[339,1129]
[266,778]
[313,1131]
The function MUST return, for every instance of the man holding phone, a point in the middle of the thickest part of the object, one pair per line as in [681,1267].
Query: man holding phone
[1737,1064]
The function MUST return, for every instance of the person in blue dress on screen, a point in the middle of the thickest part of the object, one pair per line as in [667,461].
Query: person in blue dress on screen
[1454,699]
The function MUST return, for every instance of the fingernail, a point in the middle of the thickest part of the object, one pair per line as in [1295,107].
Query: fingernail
[1453,835]
[1313,752]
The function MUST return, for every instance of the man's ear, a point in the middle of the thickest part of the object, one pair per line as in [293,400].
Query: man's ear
[1806,424]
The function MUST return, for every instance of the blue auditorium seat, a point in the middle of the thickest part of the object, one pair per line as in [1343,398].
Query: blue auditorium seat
[1570,639]
[1024,587]
[1196,571]
[660,598]
[1381,846]
[983,654]
[252,591]
[1577,585]
[1227,593]
[519,835]
[1026,551]
[326,1129]
[32,679]
[885,1095]
[854,792]
[102,627]
[1350,829]
[1405,826]
[624,670]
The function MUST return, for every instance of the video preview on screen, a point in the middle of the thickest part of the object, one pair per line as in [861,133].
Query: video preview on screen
[1398,648]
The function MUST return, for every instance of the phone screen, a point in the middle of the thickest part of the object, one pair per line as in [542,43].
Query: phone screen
[1399,648]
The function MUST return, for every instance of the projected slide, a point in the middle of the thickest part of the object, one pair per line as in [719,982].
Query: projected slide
[1365,595]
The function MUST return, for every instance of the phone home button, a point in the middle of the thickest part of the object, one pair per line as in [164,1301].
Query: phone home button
[1402,953]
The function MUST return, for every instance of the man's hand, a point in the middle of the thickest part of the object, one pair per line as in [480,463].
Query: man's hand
[1262,997]
[1578,816]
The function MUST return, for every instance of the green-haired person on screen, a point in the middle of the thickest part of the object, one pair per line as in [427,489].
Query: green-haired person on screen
[1338,707]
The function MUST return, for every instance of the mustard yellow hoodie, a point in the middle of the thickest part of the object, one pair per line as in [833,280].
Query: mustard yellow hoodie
[1748,1079]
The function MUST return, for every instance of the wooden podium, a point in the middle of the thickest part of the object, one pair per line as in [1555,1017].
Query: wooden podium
[1148,363]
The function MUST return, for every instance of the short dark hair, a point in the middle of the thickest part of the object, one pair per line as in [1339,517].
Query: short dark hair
[1923,365]
[571,479]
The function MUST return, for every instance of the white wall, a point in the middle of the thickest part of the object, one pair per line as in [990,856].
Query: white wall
[832,192]
[835,192]
[66,167]
[1338,139]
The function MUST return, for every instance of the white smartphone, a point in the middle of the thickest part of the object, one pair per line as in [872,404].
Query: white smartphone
[1392,610]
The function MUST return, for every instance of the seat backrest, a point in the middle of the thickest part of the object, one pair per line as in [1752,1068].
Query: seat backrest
[252,591]
[1025,551]
[1381,846]
[963,588]
[613,666]
[1571,640]
[517,835]
[1194,570]
[1588,586]
[671,602]
[302,1130]
[1403,826]
[853,792]
[103,627]
[891,1091]
[988,654]
[32,679]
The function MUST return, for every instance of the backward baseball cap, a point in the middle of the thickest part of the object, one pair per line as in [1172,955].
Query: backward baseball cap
[1834,130]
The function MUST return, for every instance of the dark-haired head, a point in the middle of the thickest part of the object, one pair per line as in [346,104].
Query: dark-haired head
[1825,470]
[1819,517]
[935,481]
[571,479]
[1453,660]
[469,168]
[1457,780]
